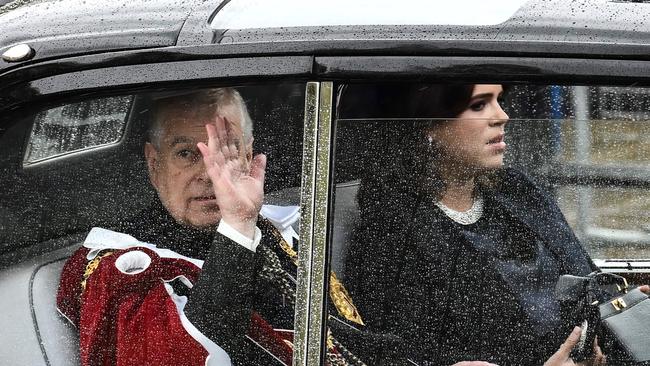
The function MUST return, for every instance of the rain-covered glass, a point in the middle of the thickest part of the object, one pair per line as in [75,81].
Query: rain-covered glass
[149,182]
[77,126]
[457,207]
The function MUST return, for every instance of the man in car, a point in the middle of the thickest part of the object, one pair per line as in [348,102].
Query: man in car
[198,273]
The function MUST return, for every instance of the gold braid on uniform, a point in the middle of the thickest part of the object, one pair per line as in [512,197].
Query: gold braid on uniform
[273,272]
[91,266]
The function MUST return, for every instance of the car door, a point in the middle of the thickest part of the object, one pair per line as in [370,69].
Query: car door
[576,128]
[73,158]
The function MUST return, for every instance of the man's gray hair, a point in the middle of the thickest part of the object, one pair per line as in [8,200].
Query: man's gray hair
[209,100]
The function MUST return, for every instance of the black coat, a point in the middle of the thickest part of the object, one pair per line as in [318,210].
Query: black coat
[229,289]
[221,303]
[420,277]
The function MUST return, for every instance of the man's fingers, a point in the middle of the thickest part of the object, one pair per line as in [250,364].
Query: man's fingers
[233,142]
[218,138]
[258,167]
[645,289]
[216,147]
[571,341]
[209,159]
[220,124]
[213,139]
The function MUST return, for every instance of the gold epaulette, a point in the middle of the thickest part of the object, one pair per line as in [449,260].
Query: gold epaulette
[343,301]
[339,295]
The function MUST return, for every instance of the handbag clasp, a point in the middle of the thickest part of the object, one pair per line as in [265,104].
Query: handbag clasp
[619,304]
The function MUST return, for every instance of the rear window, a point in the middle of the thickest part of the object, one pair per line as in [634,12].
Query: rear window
[77,126]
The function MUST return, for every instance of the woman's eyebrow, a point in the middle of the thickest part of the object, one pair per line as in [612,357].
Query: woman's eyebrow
[482,95]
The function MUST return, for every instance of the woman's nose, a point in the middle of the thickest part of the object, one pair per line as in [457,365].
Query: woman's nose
[500,116]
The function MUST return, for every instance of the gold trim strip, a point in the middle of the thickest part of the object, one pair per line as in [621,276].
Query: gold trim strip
[303,288]
[316,335]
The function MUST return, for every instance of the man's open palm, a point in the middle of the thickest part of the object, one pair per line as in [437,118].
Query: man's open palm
[238,186]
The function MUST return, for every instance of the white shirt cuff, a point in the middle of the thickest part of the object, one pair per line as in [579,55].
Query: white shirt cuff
[239,238]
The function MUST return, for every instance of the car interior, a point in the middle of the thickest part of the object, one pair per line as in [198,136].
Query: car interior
[51,204]
[47,207]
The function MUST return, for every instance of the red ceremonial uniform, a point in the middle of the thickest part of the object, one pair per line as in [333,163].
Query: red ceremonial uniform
[126,313]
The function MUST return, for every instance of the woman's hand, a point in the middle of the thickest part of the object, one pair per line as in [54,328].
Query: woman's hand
[238,184]
[562,356]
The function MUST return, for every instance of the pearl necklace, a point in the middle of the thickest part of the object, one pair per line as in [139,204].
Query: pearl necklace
[464,217]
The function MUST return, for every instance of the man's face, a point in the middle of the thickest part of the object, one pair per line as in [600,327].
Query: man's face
[176,169]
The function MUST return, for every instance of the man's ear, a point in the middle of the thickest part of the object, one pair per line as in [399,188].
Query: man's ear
[151,155]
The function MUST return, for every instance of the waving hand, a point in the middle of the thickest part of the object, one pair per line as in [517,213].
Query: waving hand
[238,184]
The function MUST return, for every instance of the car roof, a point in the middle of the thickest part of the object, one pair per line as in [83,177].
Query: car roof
[63,28]
[55,28]
[537,20]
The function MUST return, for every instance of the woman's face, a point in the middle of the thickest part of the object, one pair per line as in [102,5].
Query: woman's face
[474,141]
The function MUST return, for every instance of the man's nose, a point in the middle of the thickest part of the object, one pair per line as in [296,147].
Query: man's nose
[202,173]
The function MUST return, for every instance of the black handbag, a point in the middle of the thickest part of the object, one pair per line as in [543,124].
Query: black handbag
[604,305]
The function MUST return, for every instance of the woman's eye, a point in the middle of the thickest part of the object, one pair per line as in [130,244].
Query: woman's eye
[478,106]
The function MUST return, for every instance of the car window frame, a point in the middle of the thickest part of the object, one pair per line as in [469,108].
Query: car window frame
[487,69]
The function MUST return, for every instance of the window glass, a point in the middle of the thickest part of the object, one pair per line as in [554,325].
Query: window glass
[150,182]
[456,205]
[76,127]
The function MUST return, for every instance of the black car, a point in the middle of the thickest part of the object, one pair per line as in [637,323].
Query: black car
[76,78]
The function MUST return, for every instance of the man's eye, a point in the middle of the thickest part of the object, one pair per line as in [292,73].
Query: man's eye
[186,154]
[478,106]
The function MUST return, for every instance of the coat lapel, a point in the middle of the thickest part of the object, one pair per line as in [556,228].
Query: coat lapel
[549,225]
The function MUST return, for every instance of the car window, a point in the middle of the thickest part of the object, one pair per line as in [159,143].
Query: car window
[120,187]
[561,166]
[77,126]
[90,186]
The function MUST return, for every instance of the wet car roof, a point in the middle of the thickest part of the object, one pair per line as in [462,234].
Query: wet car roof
[63,28]
[554,20]
[68,27]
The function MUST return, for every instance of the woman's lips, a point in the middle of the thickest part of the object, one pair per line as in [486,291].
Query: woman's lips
[497,143]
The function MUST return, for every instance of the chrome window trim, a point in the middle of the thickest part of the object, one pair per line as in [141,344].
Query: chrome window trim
[309,321]
[303,290]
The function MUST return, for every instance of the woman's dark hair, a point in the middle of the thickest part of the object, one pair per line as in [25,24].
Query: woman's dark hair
[397,169]
[397,159]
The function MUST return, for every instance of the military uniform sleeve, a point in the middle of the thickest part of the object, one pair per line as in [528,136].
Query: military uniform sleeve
[220,305]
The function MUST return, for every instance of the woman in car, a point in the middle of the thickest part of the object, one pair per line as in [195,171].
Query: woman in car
[453,251]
